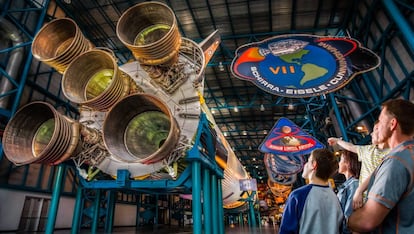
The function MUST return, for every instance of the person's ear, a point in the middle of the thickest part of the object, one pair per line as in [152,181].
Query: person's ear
[314,165]
[393,124]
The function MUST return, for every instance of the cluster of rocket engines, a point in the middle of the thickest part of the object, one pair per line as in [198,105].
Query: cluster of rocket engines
[141,116]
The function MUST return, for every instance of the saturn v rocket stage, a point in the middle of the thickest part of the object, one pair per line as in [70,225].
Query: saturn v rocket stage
[141,116]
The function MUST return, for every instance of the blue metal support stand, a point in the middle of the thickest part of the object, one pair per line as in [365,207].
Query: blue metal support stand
[220,210]
[251,209]
[94,212]
[77,211]
[207,201]
[207,159]
[196,197]
[250,200]
[50,225]
[109,219]
[95,219]
[214,200]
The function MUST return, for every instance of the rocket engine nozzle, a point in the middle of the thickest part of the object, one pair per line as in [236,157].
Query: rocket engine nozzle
[39,134]
[94,79]
[140,128]
[59,42]
[150,31]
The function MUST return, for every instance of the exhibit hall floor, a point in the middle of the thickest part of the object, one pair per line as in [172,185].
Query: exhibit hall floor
[181,230]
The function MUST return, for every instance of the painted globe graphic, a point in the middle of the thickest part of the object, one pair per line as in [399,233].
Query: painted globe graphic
[308,67]
[302,65]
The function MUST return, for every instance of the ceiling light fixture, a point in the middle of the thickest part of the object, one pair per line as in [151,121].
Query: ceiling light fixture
[262,108]
[221,66]
[236,109]
[291,107]
[361,129]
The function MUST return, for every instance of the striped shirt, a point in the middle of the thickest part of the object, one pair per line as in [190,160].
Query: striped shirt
[370,157]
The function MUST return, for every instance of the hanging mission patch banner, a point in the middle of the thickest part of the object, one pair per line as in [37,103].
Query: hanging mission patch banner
[286,138]
[301,65]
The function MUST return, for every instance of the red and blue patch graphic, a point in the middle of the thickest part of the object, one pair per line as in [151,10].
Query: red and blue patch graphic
[286,138]
[302,65]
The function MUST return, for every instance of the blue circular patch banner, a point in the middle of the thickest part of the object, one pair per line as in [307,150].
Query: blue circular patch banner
[302,65]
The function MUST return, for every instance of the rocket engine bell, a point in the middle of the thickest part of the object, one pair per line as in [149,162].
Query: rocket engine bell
[37,133]
[140,128]
[93,79]
[59,42]
[150,31]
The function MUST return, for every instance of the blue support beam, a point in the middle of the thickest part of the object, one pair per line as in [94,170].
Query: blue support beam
[338,117]
[250,201]
[109,219]
[207,201]
[214,200]
[77,211]
[196,205]
[400,21]
[251,209]
[54,205]
[95,218]
[220,207]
